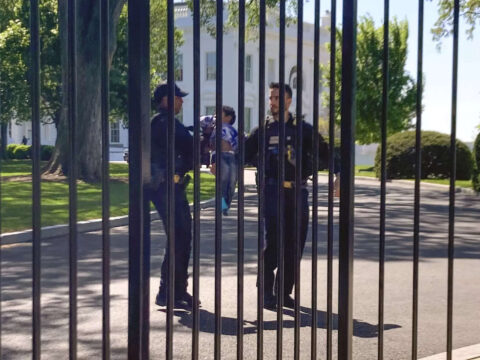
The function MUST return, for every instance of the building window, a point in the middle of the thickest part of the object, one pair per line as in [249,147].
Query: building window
[179,67]
[247,117]
[211,66]
[210,110]
[115,132]
[271,70]
[248,68]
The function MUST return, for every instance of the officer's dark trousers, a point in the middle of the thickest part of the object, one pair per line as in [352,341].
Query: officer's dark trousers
[183,235]
[270,258]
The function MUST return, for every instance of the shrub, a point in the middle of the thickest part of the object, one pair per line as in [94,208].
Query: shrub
[476,168]
[436,160]
[10,150]
[46,152]
[22,152]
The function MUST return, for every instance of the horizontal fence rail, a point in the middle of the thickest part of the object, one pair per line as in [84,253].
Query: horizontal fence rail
[277,308]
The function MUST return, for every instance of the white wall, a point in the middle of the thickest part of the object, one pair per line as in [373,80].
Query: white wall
[16,132]
[230,67]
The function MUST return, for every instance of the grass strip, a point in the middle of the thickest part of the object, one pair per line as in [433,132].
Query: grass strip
[17,201]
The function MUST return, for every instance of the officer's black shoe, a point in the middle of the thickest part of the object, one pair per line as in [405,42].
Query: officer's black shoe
[161,299]
[288,302]
[182,301]
[188,300]
[269,302]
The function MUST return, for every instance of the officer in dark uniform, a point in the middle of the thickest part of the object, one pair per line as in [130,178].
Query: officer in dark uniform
[272,127]
[183,219]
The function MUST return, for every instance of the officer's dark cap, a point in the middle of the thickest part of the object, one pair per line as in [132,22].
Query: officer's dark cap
[162,90]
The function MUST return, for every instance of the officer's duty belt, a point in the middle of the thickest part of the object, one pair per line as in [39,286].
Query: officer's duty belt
[286,184]
[181,179]
[177,178]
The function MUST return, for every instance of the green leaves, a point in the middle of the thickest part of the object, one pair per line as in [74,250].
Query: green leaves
[469,10]
[402,87]
[15,60]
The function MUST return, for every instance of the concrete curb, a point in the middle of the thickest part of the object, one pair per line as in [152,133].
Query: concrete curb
[423,184]
[83,227]
[466,353]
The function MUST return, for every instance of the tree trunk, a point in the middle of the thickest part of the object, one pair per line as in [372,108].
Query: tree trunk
[88,131]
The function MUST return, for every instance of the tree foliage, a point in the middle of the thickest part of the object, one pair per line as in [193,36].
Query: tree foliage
[15,60]
[208,13]
[402,87]
[15,65]
[469,10]
[158,56]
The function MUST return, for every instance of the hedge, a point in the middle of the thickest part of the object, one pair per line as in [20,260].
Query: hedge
[46,152]
[476,169]
[401,156]
[21,152]
[10,150]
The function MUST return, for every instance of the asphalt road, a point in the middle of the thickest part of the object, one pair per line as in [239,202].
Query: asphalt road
[16,285]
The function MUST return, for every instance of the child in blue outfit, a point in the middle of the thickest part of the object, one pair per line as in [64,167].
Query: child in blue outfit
[229,155]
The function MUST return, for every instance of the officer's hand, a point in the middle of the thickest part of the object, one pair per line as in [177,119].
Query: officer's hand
[213,169]
[336,186]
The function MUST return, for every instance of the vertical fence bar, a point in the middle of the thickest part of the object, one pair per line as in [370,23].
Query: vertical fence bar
[281,191]
[139,174]
[170,174]
[383,178]
[418,175]
[218,182]
[453,176]
[36,181]
[104,32]
[196,176]
[241,186]
[298,180]
[1,219]
[331,159]
[316,93]
[346,238]
[261,180]
[72,179]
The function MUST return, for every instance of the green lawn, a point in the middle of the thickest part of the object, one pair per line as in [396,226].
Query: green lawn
[17,167]
[24,168]
[16,201]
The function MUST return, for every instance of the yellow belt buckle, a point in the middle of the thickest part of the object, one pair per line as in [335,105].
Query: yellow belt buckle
[288,184]
[176,178]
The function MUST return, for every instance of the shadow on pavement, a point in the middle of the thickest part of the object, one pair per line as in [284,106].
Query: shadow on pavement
[361,329]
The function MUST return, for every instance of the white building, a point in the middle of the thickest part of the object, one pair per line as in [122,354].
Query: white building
[183,20]
[230,67]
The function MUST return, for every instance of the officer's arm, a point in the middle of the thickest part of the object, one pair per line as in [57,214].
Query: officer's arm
[157,133]
[324,157]
[251,147]
[185,140]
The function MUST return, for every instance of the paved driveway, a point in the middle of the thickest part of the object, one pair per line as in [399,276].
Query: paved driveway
[16,284]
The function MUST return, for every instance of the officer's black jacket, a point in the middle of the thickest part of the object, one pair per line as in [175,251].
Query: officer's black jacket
[183,144]
[271,149]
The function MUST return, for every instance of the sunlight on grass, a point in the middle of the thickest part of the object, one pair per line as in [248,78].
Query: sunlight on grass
[17,167]
[16,202]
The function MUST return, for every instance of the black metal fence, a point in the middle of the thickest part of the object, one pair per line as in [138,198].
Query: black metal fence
[139,176]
